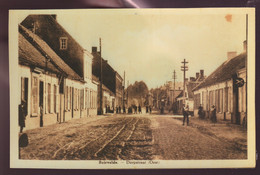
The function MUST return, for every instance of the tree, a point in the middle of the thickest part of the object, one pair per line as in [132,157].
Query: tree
[137,92]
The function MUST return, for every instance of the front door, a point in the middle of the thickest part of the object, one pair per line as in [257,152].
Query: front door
[41,103]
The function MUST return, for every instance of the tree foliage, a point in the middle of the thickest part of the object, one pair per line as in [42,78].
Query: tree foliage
[137,92]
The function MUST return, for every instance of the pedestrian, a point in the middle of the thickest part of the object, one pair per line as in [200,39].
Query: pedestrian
[200,112]
[162,110]
[150,108]
[22,115]
[185,111]
[124,111]
[130,110]
[139,109]
[146,108]
[135,108]
[119,109]
[213,114]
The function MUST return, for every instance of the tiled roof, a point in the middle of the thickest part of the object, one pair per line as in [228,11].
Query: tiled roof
[225,71]
[34,42]
[29,55]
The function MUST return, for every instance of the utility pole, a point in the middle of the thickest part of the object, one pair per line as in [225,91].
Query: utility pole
[124,91]
[127,92]
[184,68]
[101,80]
[174,78]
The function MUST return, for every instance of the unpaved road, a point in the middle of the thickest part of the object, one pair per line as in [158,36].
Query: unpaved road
[137,137]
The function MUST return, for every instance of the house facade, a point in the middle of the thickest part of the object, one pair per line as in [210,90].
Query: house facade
[225,88]
[48,80]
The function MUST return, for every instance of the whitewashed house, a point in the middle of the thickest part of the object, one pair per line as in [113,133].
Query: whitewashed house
[225,88]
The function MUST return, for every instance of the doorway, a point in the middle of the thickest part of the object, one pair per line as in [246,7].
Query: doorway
[41,103]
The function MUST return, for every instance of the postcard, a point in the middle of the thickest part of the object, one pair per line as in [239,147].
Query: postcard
[132,88]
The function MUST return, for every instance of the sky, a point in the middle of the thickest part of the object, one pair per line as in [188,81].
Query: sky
[150,44]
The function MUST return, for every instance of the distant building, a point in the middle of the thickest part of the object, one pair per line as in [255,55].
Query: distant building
[187,97]
[112,82]
[226,89]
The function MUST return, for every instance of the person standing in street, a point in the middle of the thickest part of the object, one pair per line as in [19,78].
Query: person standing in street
[213,114]
[22,116]
[200,112]
[139,109]
[119,109]
[185,112]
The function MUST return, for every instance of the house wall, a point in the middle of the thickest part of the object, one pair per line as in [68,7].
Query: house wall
[220,95]
[242,107]
[80,99]
[50,100]
[84,95]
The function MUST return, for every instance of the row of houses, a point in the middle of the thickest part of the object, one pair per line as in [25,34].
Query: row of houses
[225,88]
[58,77]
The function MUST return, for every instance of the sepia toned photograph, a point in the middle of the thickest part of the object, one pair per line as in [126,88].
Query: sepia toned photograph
[132,88]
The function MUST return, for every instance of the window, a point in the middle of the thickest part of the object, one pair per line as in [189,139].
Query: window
[24,92]
[225,99]
[35,87]
[217,100]
[90,100]
[229,99]
[63,43]
[49,98]
[55,98]
[66,97]
[69,98]
[78,97]
[75,99]
[86,98]
[220,100]
[210,99]
[82,99]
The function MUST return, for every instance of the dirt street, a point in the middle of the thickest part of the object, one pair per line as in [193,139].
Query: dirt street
[129,137]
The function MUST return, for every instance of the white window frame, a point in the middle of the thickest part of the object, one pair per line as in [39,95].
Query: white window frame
[63,43]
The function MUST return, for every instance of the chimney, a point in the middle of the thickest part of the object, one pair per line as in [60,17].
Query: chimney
[54,16]
[245,45]
[201,73]
[94,49]
[197,75]
[231,55]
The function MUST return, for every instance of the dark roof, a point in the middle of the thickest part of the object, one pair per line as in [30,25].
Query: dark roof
[177,93]
[108,73]
[225,71]
[29,55]
[180,94]
[33,50]
[48,29]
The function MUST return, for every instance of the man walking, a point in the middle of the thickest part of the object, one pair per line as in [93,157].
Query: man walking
[185,112]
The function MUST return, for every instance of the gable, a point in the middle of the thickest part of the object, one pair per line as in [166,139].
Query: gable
[49,30]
